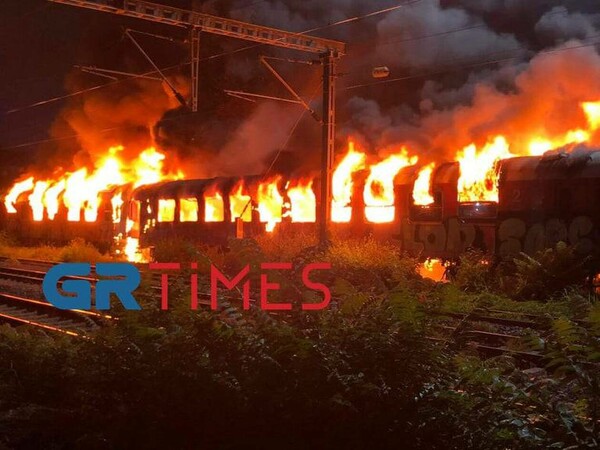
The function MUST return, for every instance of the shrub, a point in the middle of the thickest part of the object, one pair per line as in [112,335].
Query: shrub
[175,250]
[474,272]
[330,379]
[285,246]
[549,272]
[79,250]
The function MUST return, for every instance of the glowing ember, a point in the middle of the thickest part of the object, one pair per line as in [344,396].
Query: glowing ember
[240,204]
[478,171]
[341,186]
[422,188]
[303,202]
[379,188]
[133,253]
[13,196]
[214,210]
[270,203]
[433,269]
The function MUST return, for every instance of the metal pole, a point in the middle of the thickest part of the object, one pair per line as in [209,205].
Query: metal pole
[328,143]
[195,58]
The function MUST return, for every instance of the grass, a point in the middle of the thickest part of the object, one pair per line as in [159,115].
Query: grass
[76,251]
[453,299]
[285,246]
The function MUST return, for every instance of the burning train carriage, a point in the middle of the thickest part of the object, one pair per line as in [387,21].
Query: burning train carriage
[541,200]
[544,200]
[214,210]
[209,211]
[28,228]
[443,227]
[532,203]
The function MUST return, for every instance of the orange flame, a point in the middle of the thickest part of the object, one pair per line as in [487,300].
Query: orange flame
[478,171]
[270,203]
[214,210]
[19,188]
[117,207]
[342,184]
[188,210]
[166,210]
[422,188]
[379,188]
[240,203]
[303,202]
[51,198]
[80,191]
[35,200]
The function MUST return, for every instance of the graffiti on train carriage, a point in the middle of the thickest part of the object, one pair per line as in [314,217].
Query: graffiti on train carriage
[445,239]
[515,235]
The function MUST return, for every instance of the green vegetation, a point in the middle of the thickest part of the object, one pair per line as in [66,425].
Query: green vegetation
[363,373]
[76,251]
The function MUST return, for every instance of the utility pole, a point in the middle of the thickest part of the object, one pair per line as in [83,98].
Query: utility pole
[195,60]
[328,143]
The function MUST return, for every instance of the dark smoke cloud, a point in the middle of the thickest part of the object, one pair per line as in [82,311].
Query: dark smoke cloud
[402,37]
[434,114]
[534,105]
[558,26]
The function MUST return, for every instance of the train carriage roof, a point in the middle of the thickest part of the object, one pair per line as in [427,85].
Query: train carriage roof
[447,173]
[189,188]
[555,165]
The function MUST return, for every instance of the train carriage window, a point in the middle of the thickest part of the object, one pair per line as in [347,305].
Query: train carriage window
[214,210]
[240,206]
[188,210]
[166,210]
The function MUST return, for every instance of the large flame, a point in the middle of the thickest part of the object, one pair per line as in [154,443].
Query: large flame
[478,170]
[303,202]
[19,188]
[78,195]
[379,188]
[214,208]
[51,200]
[422,188]
[36,200]
[240,203]
[80,191]
[342,184]
[270,203]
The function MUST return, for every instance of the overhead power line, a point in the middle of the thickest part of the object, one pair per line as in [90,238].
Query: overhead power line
[220,55]
[470,65]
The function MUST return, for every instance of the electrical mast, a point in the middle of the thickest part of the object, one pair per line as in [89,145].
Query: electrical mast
[329,50]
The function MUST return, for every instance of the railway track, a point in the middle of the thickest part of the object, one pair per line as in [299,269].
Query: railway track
[490,332]
[18,311]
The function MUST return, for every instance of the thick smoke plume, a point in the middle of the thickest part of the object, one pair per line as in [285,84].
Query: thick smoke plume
[467,70]
[542,100]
